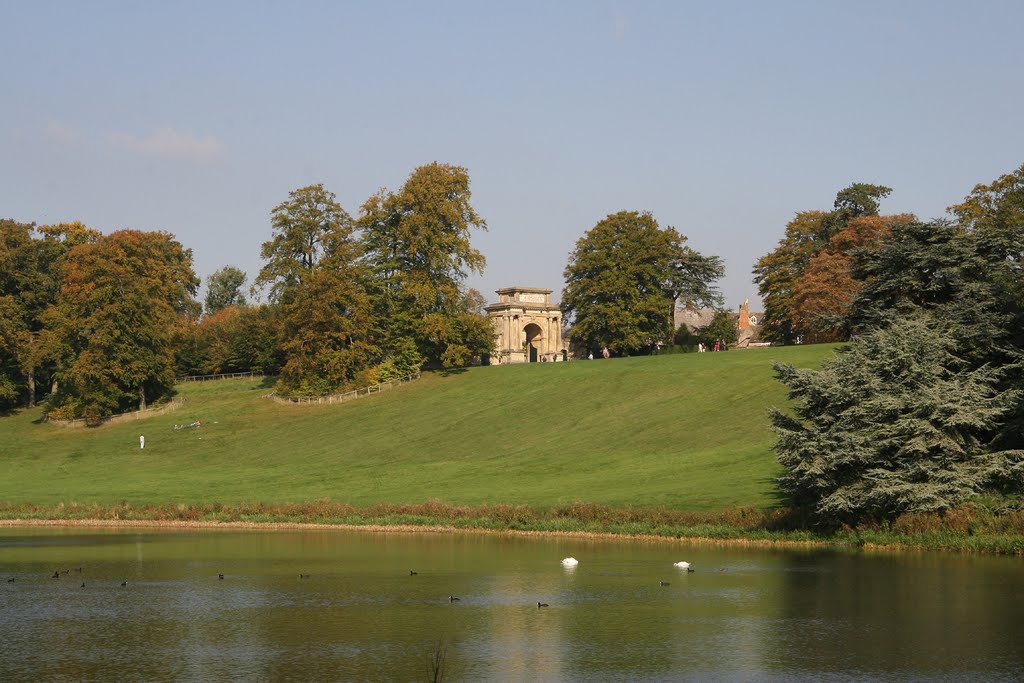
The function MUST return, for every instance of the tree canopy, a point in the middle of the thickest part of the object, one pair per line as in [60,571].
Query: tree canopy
[31,269]
[417,245]
[119,304]
[624,279]
[898,422]
[807,283]
[308,227]
[224,288]
[924,410]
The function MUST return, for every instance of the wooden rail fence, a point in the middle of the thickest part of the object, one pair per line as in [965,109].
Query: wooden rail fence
[347,396]
[174,404]
[207,378]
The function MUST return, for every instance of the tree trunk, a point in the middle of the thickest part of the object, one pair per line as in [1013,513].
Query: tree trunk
[32,388]
[53,388]
[142,398]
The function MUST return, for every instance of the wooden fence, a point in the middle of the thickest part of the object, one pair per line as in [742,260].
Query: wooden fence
[347,396]
[174,404]
[206,378]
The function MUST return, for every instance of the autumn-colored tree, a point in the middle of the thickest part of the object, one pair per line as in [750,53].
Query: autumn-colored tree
[825,290]
[203,346]
[120,301]
[624,280]
[30,271]
[806,283]
[234,339]
[326,339]
[417,243]
[778,273]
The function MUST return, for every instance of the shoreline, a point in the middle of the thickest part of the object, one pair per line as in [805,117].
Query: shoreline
[402,529]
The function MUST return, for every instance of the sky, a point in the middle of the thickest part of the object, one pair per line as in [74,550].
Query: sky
[722,119]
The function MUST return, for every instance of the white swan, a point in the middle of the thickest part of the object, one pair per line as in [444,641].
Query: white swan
[683,565]
[570,562]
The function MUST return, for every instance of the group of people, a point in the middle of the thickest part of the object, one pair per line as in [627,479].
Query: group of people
[604,352]
[718,346]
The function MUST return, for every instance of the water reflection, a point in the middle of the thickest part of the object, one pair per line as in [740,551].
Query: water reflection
[362,615]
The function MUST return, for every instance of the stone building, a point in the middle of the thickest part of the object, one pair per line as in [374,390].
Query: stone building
[748,324]
[527,326]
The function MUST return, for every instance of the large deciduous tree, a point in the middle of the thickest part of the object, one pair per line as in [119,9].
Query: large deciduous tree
[320,286]
[308,227]
[778,274]
[806,283]
[120,303]
[30,274]
[824,293]
[925,409]
[417,243]
[326,341]
[17,266]
[625,278]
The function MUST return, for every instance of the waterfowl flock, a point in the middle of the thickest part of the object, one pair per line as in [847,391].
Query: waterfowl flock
[568,563]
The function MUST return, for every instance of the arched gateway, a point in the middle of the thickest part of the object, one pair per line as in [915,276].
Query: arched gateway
[527,326]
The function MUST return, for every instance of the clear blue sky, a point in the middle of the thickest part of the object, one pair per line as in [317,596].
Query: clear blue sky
[723,119]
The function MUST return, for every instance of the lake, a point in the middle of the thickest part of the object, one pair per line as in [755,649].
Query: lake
[337,605]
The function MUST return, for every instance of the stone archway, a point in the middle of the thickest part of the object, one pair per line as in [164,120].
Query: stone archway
[534,337]
[527,326]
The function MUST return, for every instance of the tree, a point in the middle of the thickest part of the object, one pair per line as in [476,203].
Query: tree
[898,422]
[30,273]
[806,282]
[823,294]
[924,410]
[859,199]
[224,288]
[778,273]
[934,267]
[417,245]
[120,302]
[722,328]
[319,286]
[625,278]
[310,226]
[994,214]
[17,269]
[685,338]
[326,324]
[10,337]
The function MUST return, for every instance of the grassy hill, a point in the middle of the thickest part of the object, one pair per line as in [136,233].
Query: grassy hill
[684,431]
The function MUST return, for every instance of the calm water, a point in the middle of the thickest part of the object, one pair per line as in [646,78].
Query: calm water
[741,615]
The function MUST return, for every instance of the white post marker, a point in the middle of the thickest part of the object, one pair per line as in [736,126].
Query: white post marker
[142,441]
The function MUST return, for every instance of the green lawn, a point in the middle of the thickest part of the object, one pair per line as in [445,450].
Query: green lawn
[683,431]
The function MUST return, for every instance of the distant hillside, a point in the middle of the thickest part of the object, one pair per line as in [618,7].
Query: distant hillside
[686,431]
